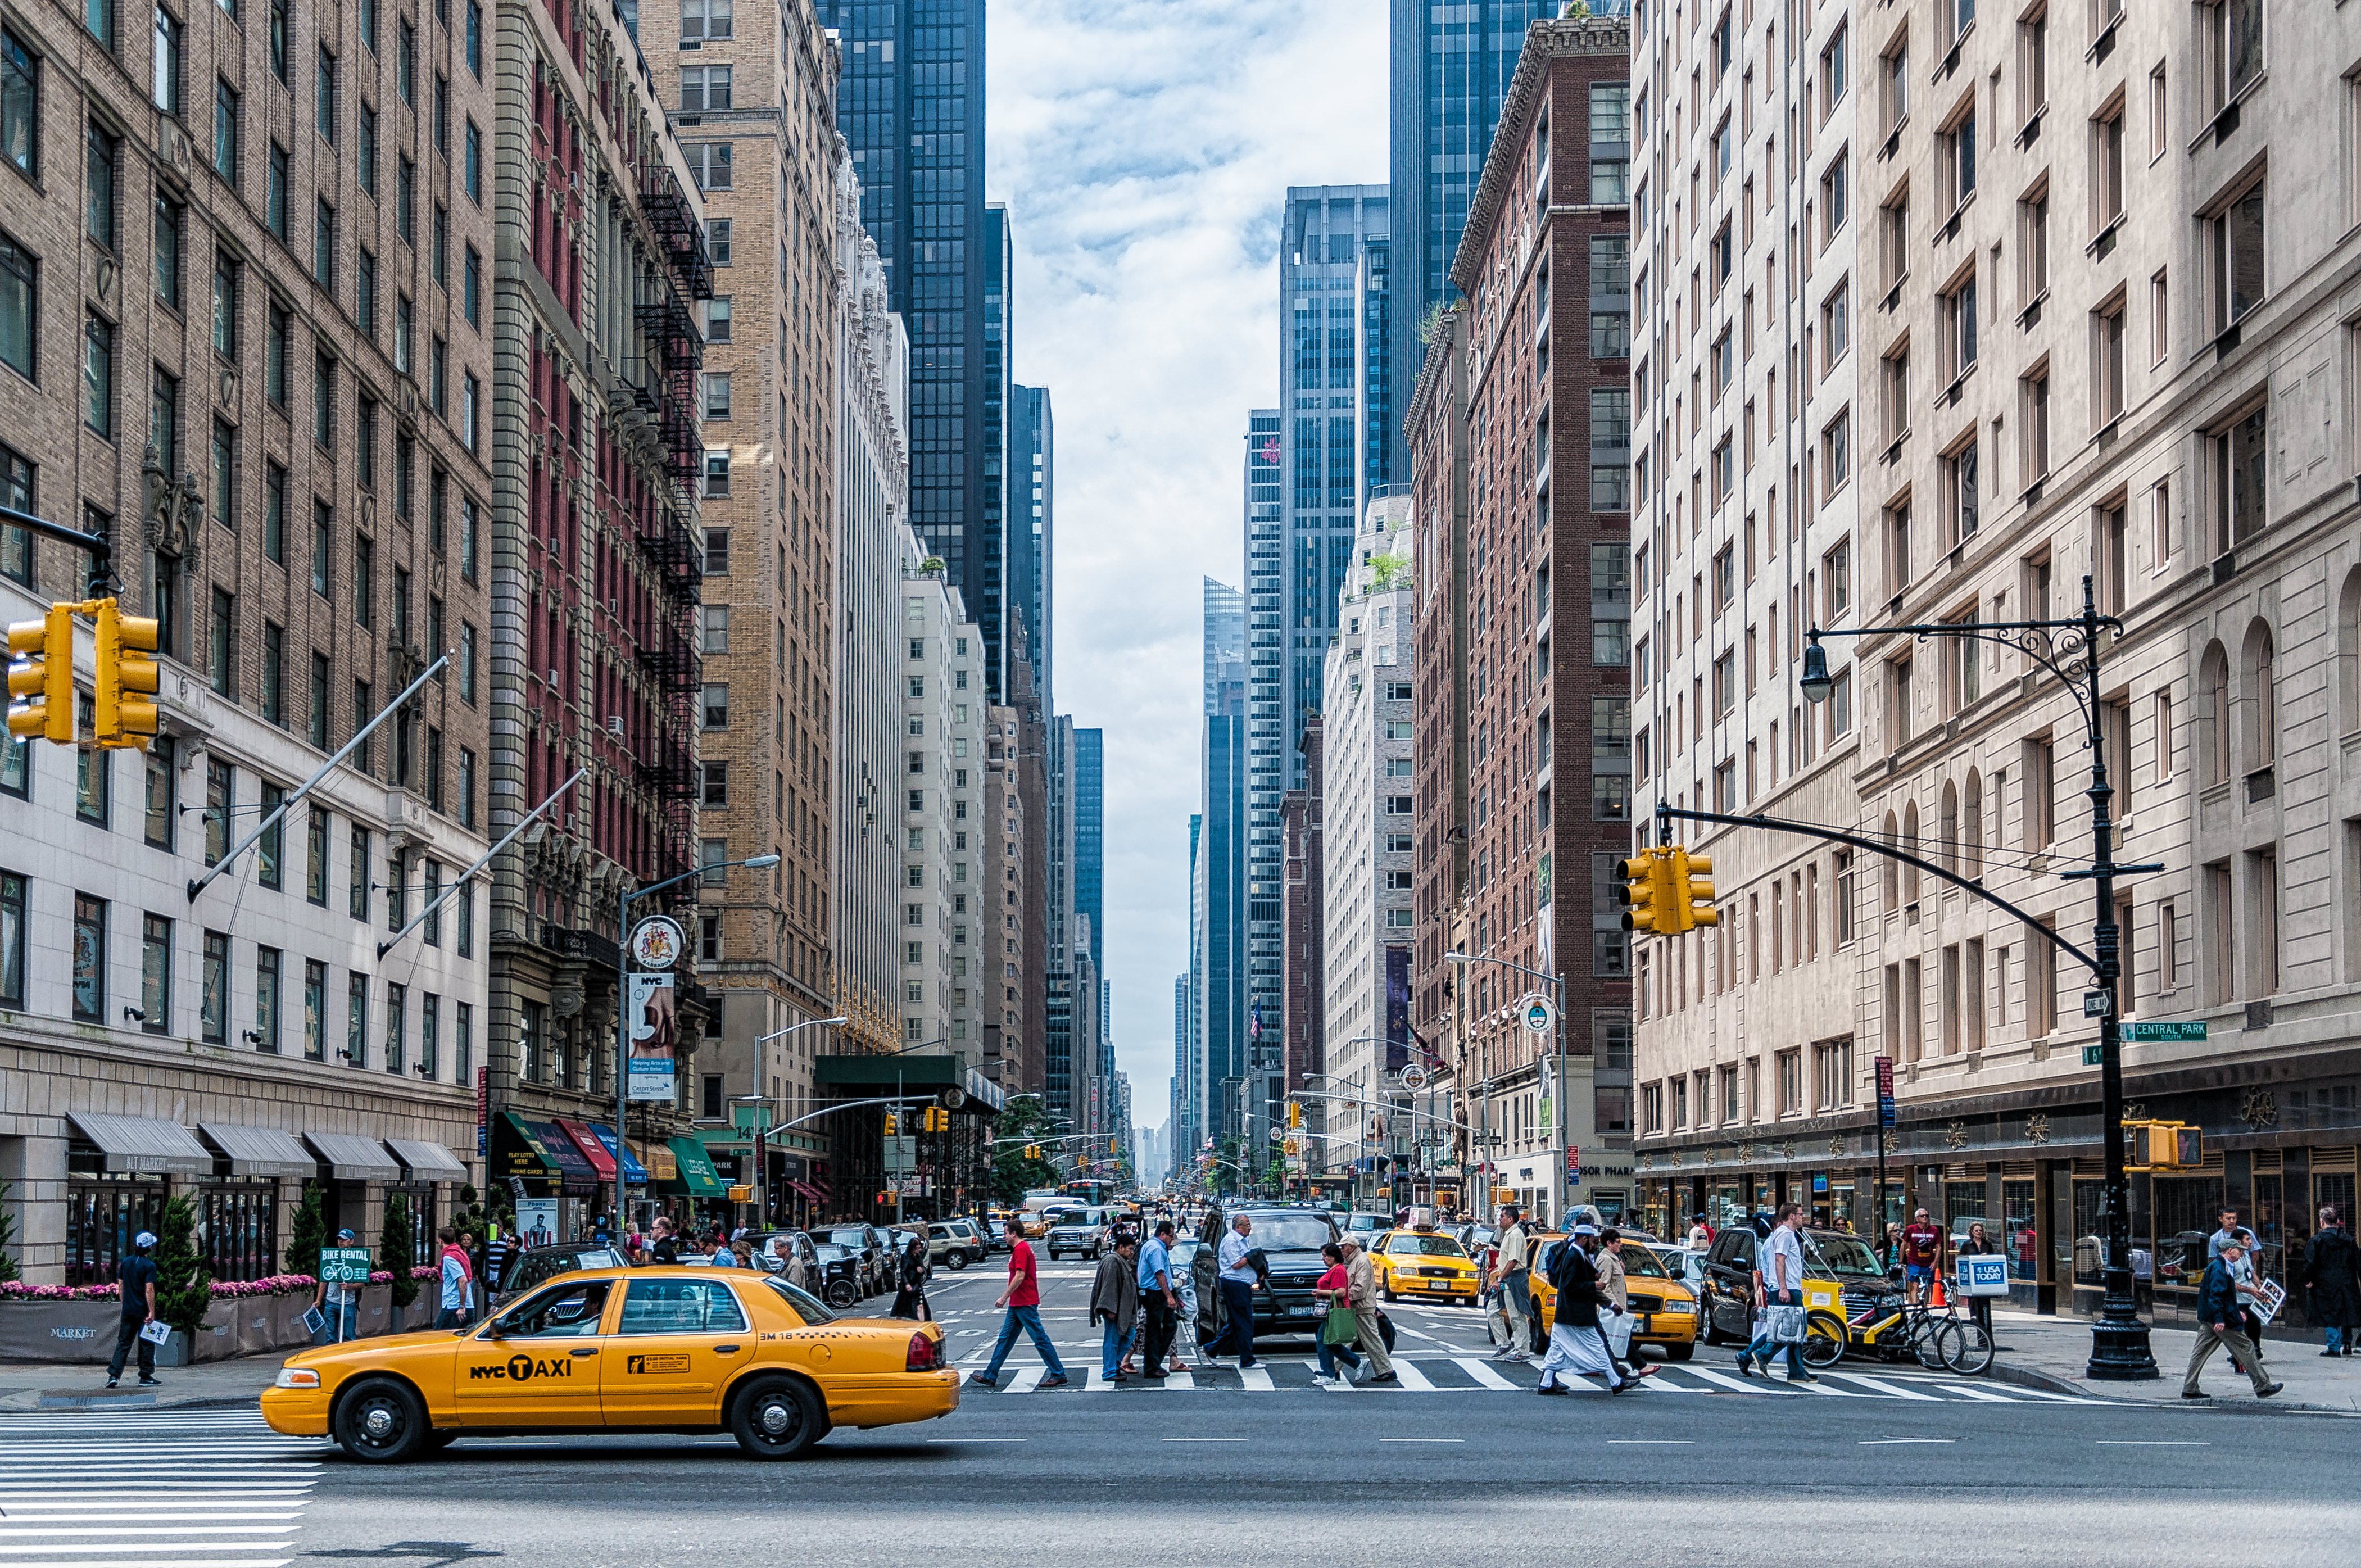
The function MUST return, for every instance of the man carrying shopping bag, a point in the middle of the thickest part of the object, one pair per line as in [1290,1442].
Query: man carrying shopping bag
[1779,1320]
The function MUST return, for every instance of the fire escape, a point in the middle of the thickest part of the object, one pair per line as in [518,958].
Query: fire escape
[669,654]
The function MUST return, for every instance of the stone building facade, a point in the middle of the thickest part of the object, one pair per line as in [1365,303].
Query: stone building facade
[2053,300]
[255,357]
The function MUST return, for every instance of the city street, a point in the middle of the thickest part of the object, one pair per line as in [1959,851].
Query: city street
[1892,1465]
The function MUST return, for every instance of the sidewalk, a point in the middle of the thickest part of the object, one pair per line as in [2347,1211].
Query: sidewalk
[39,1386]
[2054,1353]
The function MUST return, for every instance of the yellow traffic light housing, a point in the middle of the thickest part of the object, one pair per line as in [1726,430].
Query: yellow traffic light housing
[892,1127]
[1691,897]
[1295,1113]
[743,1193]
[2163,1146]
[1640,892]
[40,677]
[124,722]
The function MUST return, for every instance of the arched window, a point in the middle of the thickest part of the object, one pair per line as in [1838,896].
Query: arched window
[2259,701]
[1971,823]
[2213,713]
[1910,843]
[1889,885]
[2348,654]
[1948,850]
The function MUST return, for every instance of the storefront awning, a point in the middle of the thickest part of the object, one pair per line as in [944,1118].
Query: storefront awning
[809,1190]
[260,1151]
[696,1172]
[137,1142]
[427,1162]
[635,1170]
[539,1153]
[351,1157]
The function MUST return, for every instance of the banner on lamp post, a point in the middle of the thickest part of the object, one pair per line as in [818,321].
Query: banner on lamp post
[651,1074]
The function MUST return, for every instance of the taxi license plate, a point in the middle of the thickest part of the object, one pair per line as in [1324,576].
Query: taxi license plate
[1435,1284]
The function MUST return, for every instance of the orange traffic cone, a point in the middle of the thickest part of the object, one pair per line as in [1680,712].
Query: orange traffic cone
[1940,1301]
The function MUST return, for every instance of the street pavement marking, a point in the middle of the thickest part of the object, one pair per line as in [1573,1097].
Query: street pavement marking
[1256,1379]
[1412,1378]
[1651,1442]
[1422,1440]
[1204,1439]
[1724,1380]
[2148,1442]
[1180,1380]
[1026,1378]
[1893,1441]
[1894,1389]
[956,1440]
[1484,1375]
[1970,1391]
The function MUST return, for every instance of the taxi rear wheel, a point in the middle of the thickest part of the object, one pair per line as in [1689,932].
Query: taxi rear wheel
[777,1418]
[382,1422]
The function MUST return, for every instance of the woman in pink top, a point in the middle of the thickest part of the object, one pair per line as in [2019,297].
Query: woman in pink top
[1335,1289]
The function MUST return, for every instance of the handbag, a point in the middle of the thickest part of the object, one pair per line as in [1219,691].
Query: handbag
[1343,1326]
[1617,1326]
[1784,1323]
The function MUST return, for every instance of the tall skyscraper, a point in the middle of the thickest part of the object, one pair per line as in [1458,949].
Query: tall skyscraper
[1217,945]
[1032,502]
[910,105]
[1451,66]
[1090,820]
[991,502]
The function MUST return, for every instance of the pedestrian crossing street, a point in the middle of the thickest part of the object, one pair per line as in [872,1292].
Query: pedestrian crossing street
[151,1489]
[1425,1373]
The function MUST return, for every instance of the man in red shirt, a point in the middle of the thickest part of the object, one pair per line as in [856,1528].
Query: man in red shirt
[1023,1300]
[1922,1253]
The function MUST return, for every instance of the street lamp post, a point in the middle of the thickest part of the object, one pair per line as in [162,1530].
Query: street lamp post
[763,1137]
[1561,1197]
[2070,650]
[623,901]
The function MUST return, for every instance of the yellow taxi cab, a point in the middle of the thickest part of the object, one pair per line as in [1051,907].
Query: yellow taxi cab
[624,1349]
[1424,1265]
[1664,1307]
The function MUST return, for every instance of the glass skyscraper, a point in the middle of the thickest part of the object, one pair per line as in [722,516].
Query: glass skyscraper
[1217,879]
[911,107]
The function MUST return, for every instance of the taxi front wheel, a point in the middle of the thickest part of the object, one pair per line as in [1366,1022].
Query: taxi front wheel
[382,1422]
[777,1418]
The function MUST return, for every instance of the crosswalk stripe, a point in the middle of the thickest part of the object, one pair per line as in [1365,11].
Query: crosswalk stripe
[1724,1380]
[1483,1374]
[1180,1380]
[1026,1378]
[1881,1385]
[1412,1378]
[1257,1379]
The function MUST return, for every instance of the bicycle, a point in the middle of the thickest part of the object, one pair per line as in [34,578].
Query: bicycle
[1935,1340]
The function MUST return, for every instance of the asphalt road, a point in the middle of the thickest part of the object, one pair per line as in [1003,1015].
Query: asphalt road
[1899,1470]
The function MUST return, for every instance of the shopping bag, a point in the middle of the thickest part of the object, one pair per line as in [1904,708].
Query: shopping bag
[1343,1326]
[1785,1323]
[1616,1327]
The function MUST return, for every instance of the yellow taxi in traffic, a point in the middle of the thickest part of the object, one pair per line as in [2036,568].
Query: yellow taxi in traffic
[671,1349]
[1664,1307]
[1425,1265]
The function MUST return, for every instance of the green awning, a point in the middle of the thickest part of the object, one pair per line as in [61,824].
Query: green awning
[696,1172]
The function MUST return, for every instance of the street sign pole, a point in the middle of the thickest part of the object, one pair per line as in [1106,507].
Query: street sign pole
[1884,1122]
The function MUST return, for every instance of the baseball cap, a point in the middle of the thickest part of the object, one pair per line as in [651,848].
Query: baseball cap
[347,1236]
[145,1238]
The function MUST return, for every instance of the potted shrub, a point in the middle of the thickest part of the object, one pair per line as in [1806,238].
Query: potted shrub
[183,1285]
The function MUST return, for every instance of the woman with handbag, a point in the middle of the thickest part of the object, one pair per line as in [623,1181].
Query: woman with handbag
[910,1301]
[1343,1325]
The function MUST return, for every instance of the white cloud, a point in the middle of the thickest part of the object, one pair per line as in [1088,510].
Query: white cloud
[1144,149]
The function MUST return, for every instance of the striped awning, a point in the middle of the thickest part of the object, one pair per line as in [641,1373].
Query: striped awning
[427,1162]
[351,1157]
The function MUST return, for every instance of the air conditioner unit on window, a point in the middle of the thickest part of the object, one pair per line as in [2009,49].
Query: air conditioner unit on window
[614,724]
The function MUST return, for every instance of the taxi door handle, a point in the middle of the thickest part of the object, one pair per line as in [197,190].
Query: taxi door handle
[582,1352]
[725,1349]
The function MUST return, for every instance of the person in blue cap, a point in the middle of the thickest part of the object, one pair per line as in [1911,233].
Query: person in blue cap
[136,1274]
[340,1304]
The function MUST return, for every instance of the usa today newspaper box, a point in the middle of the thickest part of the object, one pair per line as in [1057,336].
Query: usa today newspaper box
[1981,1275]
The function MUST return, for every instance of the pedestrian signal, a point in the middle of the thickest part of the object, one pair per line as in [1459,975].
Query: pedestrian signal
[1693,896]
[121,722]
[742,1194]
[40,677]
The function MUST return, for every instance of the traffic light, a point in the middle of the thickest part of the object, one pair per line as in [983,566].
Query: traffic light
[1032,1151]
[743,1193]
[2163,1146]
[1295,1113]
[935,1119]
[892,1127]
[1647,892]
[123,723]
[40,677]
[1692,899]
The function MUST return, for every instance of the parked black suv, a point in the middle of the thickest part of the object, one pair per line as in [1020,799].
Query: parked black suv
[1726,1298]
[1290,1240]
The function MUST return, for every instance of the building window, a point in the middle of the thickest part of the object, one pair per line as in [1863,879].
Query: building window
[156,974]
[710,163]
[20,106]
[472,180]
[1955,147]
[213,1018]
[1962,513]
[100,170]
[275,194]
[2032,421]
[1958,309]
[2237,455]
[704,87]
[2107,167]
[89,959]
[2233,50]
[716,706]
[20,302]
[2234,256]
[98,377]
[94,774]
[717,239]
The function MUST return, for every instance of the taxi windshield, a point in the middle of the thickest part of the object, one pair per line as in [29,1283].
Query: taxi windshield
[1425,1246]
[808,1307]
[1639,1263]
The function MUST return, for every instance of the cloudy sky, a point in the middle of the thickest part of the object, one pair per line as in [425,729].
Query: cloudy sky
[1144,149]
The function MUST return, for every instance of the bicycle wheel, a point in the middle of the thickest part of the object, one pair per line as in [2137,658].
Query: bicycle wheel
[1926,1341]
[1824,1340]
[1967,1348]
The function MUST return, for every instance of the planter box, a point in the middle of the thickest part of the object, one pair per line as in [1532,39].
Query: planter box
[217,1338]
[58,1331]
[374,1315]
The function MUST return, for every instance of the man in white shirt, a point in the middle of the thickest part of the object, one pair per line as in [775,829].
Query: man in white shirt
[1238,1280]
[1512,1310]
[1778,1281]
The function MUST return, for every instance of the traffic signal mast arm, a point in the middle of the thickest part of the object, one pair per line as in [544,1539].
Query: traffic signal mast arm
[1975,888]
